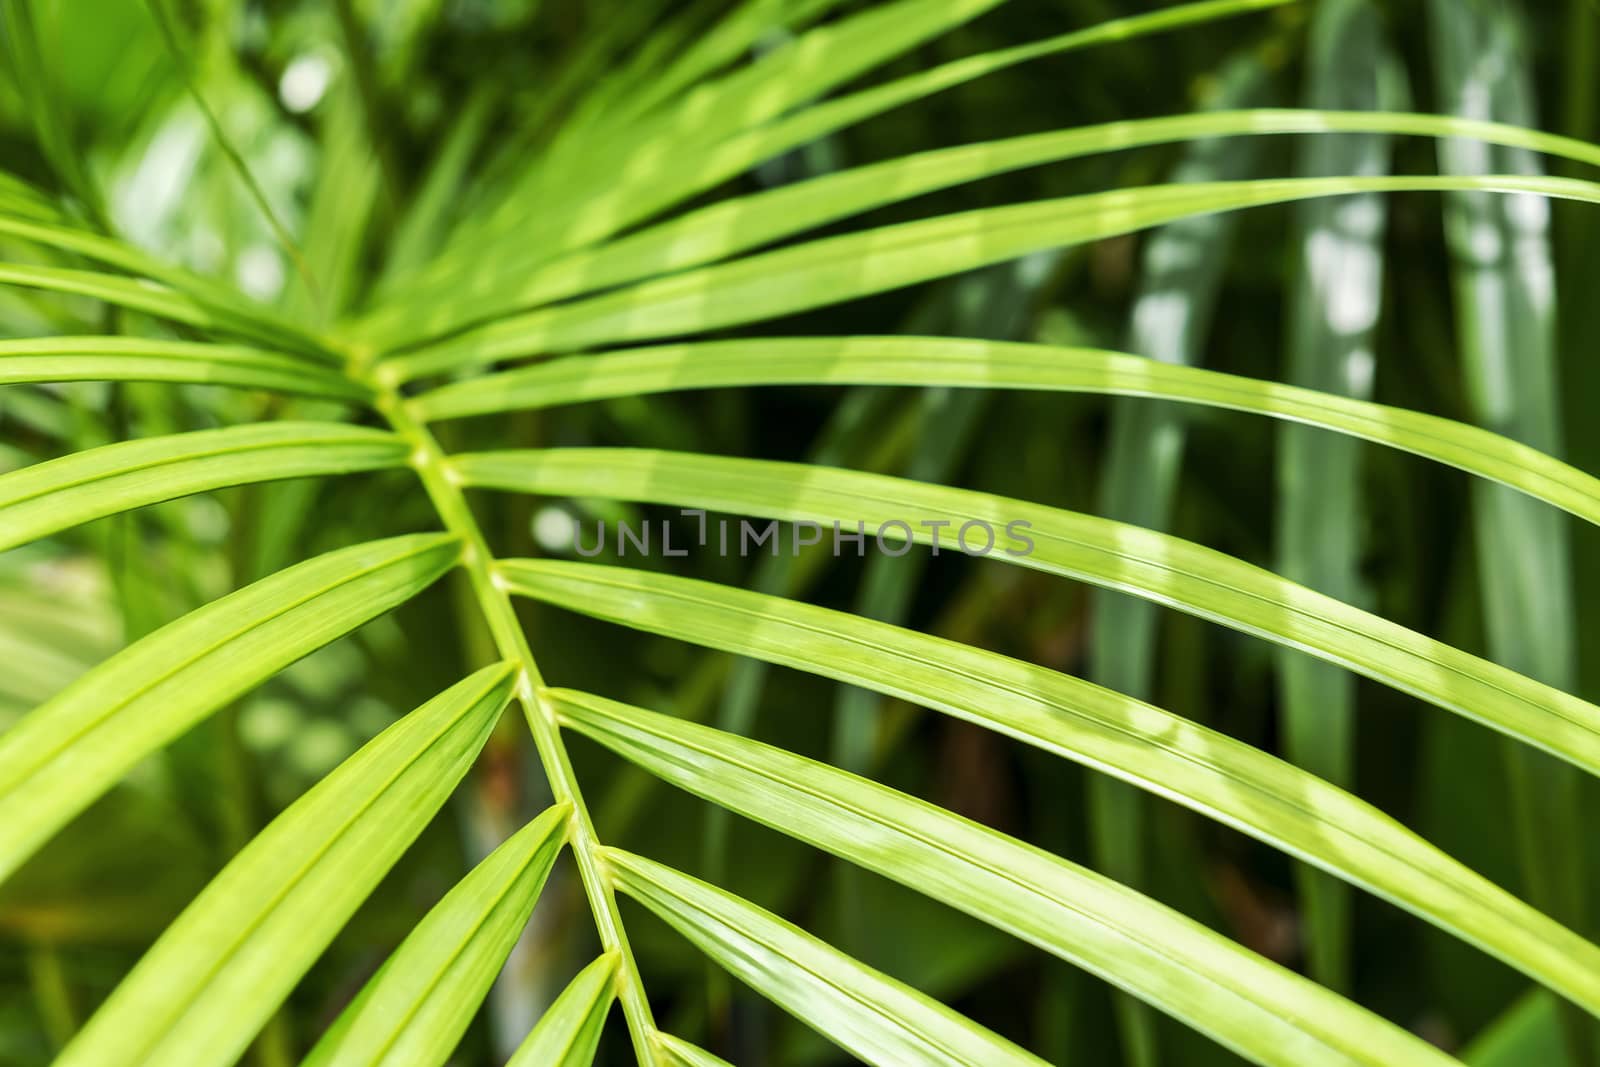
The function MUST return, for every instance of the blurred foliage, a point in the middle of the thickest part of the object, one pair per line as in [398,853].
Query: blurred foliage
[459,84]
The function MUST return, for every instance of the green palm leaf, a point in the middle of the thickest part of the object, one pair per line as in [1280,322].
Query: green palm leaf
[632,184]
[199,995]
[134,294]
[667,159]
[418,1005]
[216,298]
[569,1031]
[134,359]
[998,365]
[680,1053]
[833,269]
[1165,569]
[1241,1000]
[868,1013]
[61,493]
[1105,730]
[74,747]
[743,223]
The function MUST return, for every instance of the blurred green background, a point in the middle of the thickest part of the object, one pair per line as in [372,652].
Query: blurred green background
[483,81]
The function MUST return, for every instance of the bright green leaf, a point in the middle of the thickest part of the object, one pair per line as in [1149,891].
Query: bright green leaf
[135,294]
[216,298]
[739,224]
[201,992]
[680,1053]
[1235,783]
[998,365]
[70,750]
[415,1009]
[652,184]
[1250,1005]
[61,493]
[1166,569]
[862,1010]
[136,359]
[835,269]
[569,1031]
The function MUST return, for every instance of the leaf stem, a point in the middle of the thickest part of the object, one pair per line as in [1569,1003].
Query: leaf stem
[429,461]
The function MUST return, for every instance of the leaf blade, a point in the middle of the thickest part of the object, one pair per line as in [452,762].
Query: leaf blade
[1248,1004]
[135,294]
[569,1031]
[1098,727]
[214,297]
[742,223]
[974,364]
[55,495]
[199,994]
[642,194]
[1171,571]
[415,1009]
[831,270]
[862,1010]
[69,750]
[137,359]
[679,1053]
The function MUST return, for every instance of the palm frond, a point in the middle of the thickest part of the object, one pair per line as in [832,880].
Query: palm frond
[600,217]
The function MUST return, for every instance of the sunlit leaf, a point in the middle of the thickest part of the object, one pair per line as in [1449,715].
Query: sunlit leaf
[1168,570]
[827,271]
[1130,740]
[569,1031]
[73,748]
[417,1006]
[996,365]
[651,183]
[200,993]
[61,493]
[1248,1004]
[679,1053]
[868,1013]
[743,223]
[133,359]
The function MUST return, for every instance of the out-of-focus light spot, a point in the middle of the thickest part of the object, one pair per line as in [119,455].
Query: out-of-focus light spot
[1528,212]
[552,528]
[1361,216]
[208,519]
[207,250]
[1360,367]
[1160,320]
[1347,273]
[268,724]
[1483,242]
[260,271]
[304,81]
[319,746]
[1033,269]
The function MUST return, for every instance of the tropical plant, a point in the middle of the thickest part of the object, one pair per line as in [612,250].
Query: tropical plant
[410,332]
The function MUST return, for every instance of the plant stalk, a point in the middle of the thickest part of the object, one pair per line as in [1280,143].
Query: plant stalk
[432,467]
